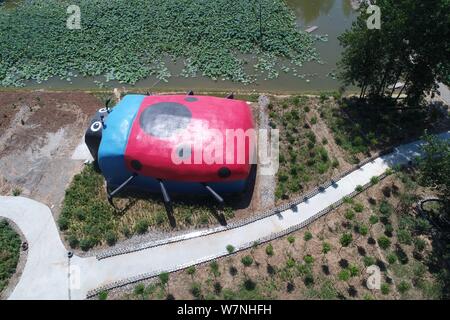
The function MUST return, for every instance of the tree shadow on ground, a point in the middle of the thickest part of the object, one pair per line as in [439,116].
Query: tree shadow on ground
[384,123]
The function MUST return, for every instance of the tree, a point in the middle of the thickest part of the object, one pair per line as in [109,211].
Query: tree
[410,46]
[435,166]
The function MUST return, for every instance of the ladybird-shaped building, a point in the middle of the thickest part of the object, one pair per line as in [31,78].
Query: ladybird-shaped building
[158,143]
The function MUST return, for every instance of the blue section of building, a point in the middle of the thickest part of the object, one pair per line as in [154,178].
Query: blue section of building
[111,153]
[112,148]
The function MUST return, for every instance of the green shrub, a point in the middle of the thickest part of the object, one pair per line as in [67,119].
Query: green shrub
[388,229]
[308,259]
[164,278]
[269,250]
[308,280]
[385,208]
[404,237]
[358,207]
[347,200]
[363,230]
[230,248]
[344,275]
[73,241]
[419,244]
[160,218]
[79,214]
[391,258]
[384,242]
[385,289]
[373,219]
[214,266]
[141,226]
[139,289]
[111,238]
[335,163]
[374,180]
[354,270]
[196,290]
[191,270]
[17,192]
[401,255]
[86,244]
[126,232]
[290,262]
[63,223]
[349,214]
[326,247]
[247,261]
[308,236]
[103,295]
[403,287]
[291,239]
[346,239]
[359,188]
[369,261]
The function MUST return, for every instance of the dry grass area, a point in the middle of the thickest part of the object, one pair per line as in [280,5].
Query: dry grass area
[328,260]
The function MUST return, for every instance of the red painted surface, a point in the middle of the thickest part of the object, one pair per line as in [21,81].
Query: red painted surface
[155,154]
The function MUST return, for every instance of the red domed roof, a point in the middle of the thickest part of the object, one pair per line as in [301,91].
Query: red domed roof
[191,138]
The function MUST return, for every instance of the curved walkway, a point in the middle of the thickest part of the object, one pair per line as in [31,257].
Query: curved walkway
[46,274]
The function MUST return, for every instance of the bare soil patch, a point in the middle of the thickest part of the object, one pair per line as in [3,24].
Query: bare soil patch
[39,131]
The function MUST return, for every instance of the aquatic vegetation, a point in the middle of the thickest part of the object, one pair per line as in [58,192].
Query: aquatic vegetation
[127,41]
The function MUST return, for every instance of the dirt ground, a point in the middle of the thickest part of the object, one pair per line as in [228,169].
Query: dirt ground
[38,133]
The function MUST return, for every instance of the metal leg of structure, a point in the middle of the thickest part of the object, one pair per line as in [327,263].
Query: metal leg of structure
[215,195]
[119,188]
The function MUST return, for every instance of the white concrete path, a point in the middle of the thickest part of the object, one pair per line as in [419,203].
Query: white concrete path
[445,93]
[46,271]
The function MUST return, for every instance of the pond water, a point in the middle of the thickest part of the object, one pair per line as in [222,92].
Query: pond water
[332,17]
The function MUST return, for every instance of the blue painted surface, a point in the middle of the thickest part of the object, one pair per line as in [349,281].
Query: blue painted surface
[115,138]
[112,150]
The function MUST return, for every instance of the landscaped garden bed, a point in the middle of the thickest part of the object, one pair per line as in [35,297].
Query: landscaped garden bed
[88,220]
[304,159]
[9,253]
[327,260]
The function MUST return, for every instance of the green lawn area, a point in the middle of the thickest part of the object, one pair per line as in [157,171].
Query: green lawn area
[87,219]
[9,253]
